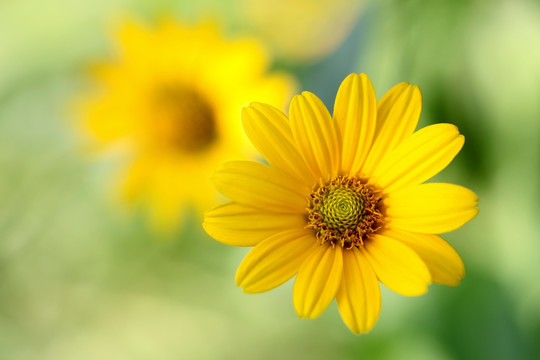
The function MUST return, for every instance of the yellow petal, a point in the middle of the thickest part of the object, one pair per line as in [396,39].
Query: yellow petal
[442,260]
[269,131]
[135,178]
[240,225]
[419,157]
[260,186]
[355,111]
[388,102]
[359,295]
[316,134]
[318,281]
[117,125]
[397,116]
[133,37]
[430,208]
[397,266]
[275,260]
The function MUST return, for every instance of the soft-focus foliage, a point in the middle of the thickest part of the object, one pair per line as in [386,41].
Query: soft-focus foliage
[78,280]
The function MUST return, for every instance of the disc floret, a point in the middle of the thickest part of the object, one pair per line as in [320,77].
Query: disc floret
[344,211]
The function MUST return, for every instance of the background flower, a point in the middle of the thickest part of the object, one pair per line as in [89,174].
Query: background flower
[300,30]
[78,280]
[170,101]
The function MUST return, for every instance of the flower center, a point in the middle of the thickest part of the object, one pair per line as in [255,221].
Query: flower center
[184,119]
[341,208]
[345,211]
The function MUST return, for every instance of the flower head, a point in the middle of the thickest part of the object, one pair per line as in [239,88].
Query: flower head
[343,204]
[171,101]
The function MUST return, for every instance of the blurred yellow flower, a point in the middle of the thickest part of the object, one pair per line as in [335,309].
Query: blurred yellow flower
[343,204]
[172,101]
[301,30]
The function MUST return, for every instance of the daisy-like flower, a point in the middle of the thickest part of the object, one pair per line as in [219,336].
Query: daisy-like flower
[171,101]
[343,204]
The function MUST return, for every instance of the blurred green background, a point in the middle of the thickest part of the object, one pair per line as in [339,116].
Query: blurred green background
[80,280]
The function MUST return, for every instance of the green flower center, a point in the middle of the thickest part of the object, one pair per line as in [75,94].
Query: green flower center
[345,212]
[342,208]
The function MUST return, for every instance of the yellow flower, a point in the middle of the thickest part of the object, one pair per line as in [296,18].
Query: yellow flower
[342,204]
[301,30]
[171,101]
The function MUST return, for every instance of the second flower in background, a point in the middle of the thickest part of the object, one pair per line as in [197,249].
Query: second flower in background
[171,102]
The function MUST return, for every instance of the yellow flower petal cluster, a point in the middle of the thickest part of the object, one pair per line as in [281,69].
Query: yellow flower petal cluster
[170,102]
[343,204]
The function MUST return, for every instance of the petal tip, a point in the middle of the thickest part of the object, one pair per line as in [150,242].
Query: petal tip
[239,279]
[358,330]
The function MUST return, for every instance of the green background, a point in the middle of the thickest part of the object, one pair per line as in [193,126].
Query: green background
[80,280]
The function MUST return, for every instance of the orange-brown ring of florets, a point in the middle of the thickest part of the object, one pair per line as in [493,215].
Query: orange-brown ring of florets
[369,221]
